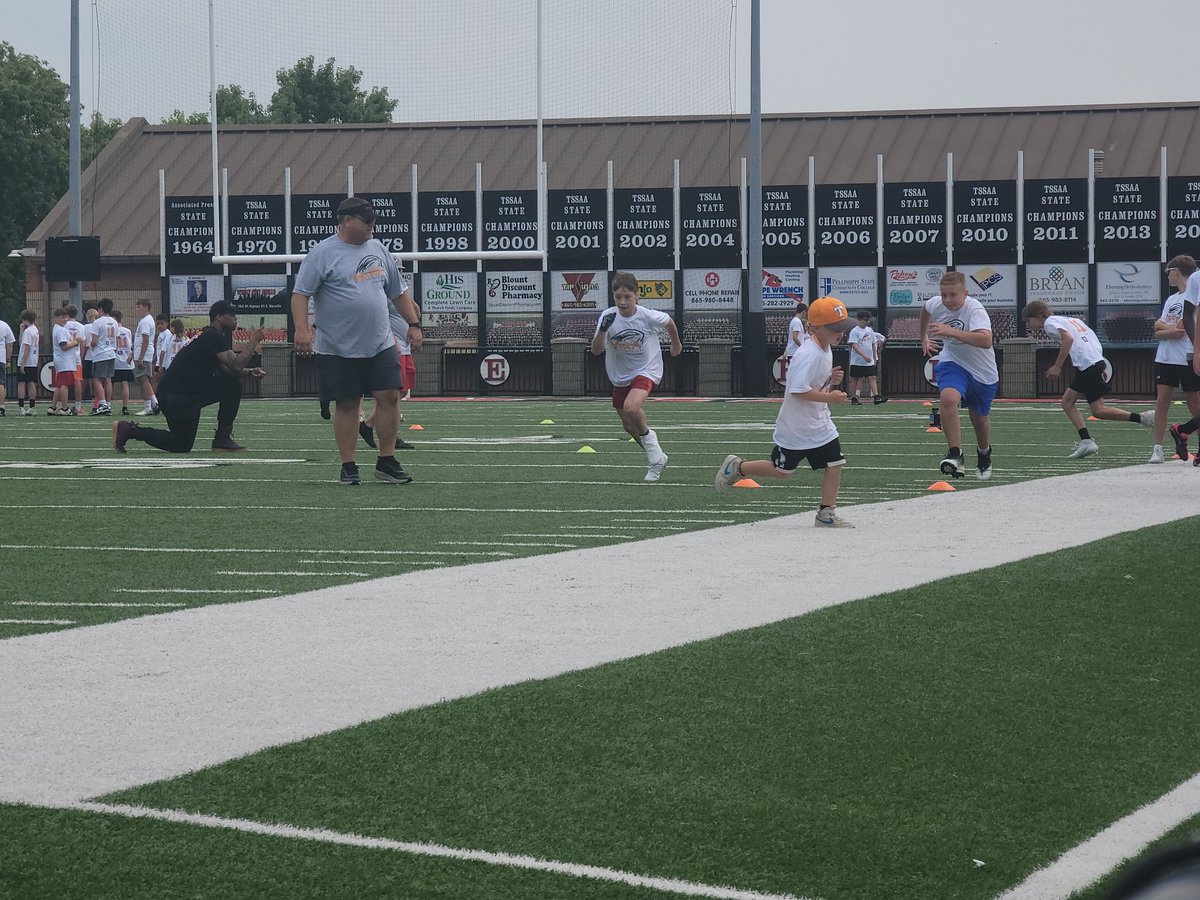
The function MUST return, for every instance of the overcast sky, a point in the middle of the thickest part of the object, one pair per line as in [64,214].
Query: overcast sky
[817,57]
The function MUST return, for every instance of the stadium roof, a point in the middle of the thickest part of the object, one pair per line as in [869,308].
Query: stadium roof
[120,188]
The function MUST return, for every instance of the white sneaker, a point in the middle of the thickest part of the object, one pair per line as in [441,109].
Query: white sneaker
[1084,448]
[828,518]
[727,474]
[1147,419]
[1156,455]
[656,468]
[146,411]
[955,466]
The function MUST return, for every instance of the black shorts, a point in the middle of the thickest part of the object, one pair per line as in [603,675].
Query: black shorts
[1090,382]
[87,368]
[346,378]
[818,458]
[1177,376]
[120,375]
[27,375]
[861,371]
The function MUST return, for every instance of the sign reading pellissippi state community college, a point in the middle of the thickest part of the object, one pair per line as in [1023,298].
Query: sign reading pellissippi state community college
[914,222]
[845,224]
[1127,223]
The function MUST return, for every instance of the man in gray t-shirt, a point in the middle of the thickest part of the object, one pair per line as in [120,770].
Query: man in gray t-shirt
[352,279]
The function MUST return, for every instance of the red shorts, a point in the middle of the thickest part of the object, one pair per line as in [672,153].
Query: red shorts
[408,372]
[63,379]
[620,393]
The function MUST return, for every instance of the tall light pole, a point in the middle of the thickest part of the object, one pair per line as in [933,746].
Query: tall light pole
[75,209]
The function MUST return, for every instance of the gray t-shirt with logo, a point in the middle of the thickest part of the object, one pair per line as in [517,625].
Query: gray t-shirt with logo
[352,286]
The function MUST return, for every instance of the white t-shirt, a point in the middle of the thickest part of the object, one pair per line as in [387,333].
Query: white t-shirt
[980,362]
[104,330]
[796,336]
[880,340]
[805,424]
[1191,293]
[7,339]
[162,349]
[862,336]
[145,328]
[1085,347]
[1173,351]
[64,360]
[124,349]
[632,346]
[78,330]
[174,345]
[29,346]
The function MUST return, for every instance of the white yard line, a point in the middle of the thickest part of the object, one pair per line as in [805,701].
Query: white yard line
[248,574]
[98,605]
[37,622]
[438,851]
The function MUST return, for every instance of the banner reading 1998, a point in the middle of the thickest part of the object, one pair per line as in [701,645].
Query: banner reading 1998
[710,227]
[1183,215]
[914,223]
[1127,223]
[510,221]
[985,221]
[578,226]
[1056,220]
[785,225]
[643,228]
[447,221]
[845,224]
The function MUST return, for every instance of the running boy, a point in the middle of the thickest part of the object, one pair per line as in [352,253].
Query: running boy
[966,370]
[634,361]
[1087,356]
[1171,367]
[804,428]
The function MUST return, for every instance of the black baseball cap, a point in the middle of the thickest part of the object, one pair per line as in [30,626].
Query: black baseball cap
[221,308]
[357,206]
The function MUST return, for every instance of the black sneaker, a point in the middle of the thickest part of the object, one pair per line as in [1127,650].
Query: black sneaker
[367,433]
[349,473]
[880,399]
[325,413]
[226,445]
[387,469]
[1181,442]
[854,401]
[124,410]
[402,444]
[122,432]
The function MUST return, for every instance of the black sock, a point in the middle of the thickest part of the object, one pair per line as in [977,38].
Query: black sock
[955,451]
[21,402]
[826,506]
[1083,435]
[1135,418]
[1190,425]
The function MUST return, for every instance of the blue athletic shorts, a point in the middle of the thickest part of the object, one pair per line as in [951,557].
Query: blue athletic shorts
[976,397]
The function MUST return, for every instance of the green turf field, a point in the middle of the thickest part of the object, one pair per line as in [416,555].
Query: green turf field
[937,742]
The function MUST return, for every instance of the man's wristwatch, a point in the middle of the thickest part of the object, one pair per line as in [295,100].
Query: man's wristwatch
[414,324]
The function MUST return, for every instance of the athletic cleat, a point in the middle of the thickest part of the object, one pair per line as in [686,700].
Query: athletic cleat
[1147,419]
[122,432]
[325,414]
[854,401]
[983,465]
[387,469]
[1181,441]
[1084,448]
[367,433]
[1156,456]
[349,474]
[402,444]
[226,445]
[146,411]
[728,473]
[879,399]
[124,410]
[828,518]
[655,471]
[954,466]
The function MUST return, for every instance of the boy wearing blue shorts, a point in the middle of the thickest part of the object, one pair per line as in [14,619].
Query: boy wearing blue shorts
[966,370]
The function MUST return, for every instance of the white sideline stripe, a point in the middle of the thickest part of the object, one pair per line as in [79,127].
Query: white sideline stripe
[262,574]
[89,605]
[605,535]
[433,509]
[1124,839]
[503,544]
[440,851]
[37,621]
[257,550]
[188,590]
[383,562]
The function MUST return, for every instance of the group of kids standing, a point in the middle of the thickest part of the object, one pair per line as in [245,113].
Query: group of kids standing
[956,331]
[101,351]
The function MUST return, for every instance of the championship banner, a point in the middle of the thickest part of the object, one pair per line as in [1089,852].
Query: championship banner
[991,285]
[447,221]
[856,286]
[578,226]
[256,225]
[1128,283]
[192,295]
[447,292]
[656,288]
[510,220]
[1127,223]
[189,222]
[908,287]
[785,225]
[985,220]
[579,291]
[783,287]
[513,292]
[1183,215]
[1064,286]
[710,227]
[314,218]
[393,228]
[846,224]
[643,227]
[914,223]
[705,289]
[1056,221]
